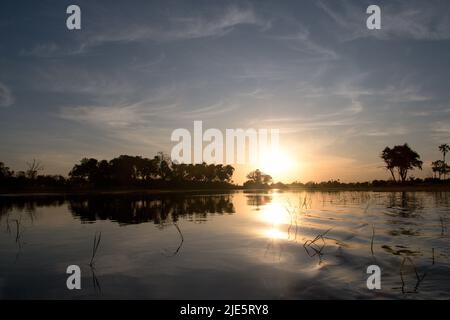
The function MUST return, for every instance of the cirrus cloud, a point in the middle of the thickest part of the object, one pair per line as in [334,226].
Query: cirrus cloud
[6,96]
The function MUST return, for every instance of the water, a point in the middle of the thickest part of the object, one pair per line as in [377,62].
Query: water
[227,246]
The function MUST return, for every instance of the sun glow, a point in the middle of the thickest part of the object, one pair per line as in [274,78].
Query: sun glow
[275,234]
[274,214]
[275,217]
[280,165]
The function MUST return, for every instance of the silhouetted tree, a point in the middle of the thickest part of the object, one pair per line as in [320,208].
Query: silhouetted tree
[444,148]
[225,173]
[258,178]
[388,156]
[5,172]
[33,169]
[149,169]
[436,167]
[402,158]
[126,169]
[87,170]
[163,166]
[103,174]
[180,172]
[440,167]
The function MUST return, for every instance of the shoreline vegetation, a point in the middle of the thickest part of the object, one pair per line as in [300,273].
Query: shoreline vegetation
[136,174]
[63,193]
[232,188]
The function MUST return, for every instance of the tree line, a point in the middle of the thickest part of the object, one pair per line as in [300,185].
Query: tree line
[136,170]
[161,172]
[122,171]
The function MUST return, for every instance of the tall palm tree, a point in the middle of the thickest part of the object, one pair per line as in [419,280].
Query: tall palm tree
[438,167]
[444,148]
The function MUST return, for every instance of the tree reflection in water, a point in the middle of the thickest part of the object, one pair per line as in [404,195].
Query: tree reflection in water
[409,241]
[160,210]
[163,210]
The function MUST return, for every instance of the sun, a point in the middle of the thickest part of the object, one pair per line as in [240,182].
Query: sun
[278,164]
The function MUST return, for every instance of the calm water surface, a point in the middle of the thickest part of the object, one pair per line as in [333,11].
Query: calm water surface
[228,246]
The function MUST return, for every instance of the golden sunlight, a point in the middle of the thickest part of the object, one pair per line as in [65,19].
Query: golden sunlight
[274,233]
[280,165]
[275,216]
[274,213]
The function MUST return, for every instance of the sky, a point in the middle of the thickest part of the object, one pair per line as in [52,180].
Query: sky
[137,70]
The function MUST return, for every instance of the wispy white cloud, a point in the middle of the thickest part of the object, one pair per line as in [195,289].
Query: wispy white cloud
[133,125]
[302,42]
[65,78]
[145,113]
[180,27]
[6,96]
[440,131]
[386,132]
[425,22]
[346,89]
[200,25]
[258,93]
[145,124]
[416,20]
[342,108]
[111,117]
[151,64]
[405,90]
[52,50]
[409,93]
[313,122]
[213,110]
[261,72]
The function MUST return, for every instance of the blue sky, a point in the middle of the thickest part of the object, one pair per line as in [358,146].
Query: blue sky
[140,69]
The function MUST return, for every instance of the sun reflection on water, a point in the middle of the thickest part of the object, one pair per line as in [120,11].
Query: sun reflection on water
[275,217]
[275,234]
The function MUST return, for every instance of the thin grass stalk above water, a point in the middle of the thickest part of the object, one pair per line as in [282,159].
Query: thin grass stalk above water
[95,247]
[371,242]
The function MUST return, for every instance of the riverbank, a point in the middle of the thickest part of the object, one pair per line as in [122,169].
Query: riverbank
[143,191]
